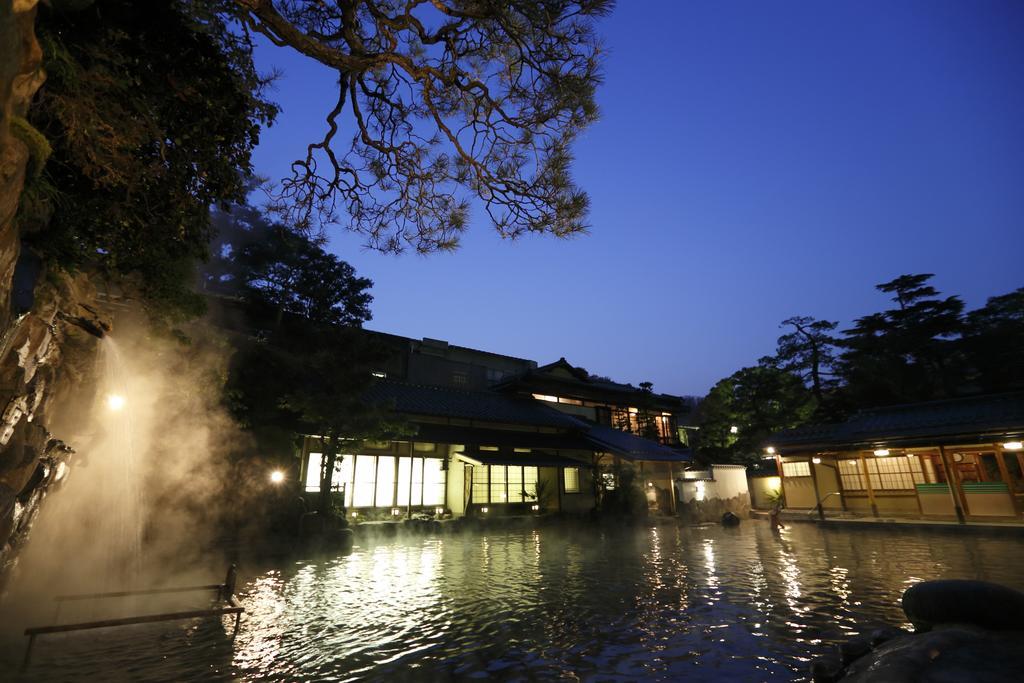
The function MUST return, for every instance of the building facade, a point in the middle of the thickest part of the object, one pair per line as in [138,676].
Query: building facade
[952,459]
[497,435]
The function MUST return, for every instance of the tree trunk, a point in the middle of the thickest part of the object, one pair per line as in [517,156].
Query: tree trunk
[327,464]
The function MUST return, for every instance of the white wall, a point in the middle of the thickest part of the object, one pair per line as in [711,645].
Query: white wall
[730,480]
[727,481]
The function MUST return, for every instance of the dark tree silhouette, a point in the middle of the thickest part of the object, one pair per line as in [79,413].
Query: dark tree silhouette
[437,101]
[809,351]
[908,353]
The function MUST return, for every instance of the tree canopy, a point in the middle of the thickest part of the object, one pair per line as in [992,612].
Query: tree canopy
[924,348]
[152,110]
[436,102]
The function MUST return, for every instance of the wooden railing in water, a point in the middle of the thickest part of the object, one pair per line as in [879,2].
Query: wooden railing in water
[225,592]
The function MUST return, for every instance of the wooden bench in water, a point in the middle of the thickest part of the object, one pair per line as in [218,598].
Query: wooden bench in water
[225,593]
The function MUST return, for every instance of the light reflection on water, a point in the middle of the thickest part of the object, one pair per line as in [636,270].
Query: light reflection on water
[697,603]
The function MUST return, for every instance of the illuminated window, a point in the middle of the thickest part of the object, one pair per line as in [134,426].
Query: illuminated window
[405,467]
[546,397]
[571,476]
[514,477]
[570,401]
[530,483]
[498,493]
[481,493]
[433,481]
[898,473]
[365,480]
[313,472]
[504,484]
[385,481]
[796,469]
[460,379]
[851,475]
[608,480]
[342,478]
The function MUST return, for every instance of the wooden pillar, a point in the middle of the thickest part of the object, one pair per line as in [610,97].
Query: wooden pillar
[1005,474]
[817,494]
[867,485]
[398,469]
[953,479]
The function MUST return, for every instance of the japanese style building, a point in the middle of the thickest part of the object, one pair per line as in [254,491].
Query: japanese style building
[495,434]
[953,459]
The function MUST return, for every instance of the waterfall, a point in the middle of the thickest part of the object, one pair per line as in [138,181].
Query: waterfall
[116,470]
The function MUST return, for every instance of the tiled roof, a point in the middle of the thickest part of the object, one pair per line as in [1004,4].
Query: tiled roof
[632,447]
[976,416]
[488,406]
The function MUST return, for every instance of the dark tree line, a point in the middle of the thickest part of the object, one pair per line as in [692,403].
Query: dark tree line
[925,347]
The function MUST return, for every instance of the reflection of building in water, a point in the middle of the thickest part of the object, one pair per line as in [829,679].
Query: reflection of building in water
[943,459]
[496,434]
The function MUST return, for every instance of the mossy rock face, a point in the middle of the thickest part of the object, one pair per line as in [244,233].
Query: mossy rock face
[39,149]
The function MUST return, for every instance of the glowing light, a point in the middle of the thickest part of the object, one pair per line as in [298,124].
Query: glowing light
[882,452]
[1013,445]
[699,493]
[355,514]
[770,450]
[277,476]
[734,430]
[535,508]
[650,484]
[438,511]
[115,401]
[816,460]
[483,510]
[396,511]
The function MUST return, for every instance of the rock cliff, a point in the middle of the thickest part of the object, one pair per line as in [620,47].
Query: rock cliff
[48,320]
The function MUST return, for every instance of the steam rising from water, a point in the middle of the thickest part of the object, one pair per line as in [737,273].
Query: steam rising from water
[145,498]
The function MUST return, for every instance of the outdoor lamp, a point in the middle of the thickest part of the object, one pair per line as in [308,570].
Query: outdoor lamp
[882,452]
[1013,445]
[816,460]
[277,476]
[770,450]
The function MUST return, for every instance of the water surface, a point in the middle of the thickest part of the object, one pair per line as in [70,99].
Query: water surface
[663,603]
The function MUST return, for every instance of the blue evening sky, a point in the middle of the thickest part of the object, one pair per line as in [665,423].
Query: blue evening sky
[753,161]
